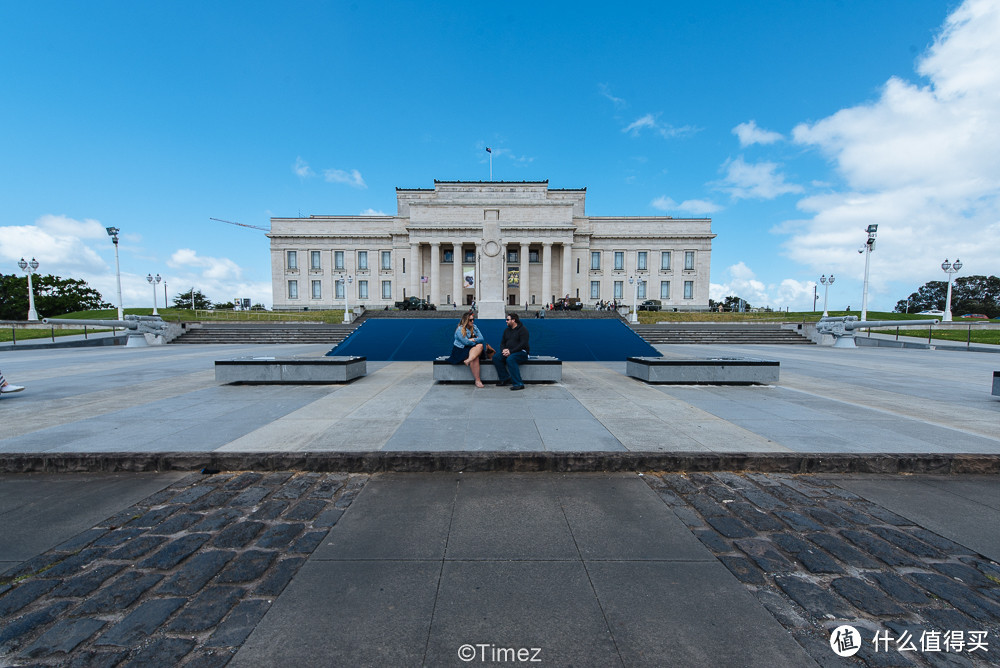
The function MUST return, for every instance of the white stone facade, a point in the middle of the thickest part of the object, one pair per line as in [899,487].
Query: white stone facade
[435,241]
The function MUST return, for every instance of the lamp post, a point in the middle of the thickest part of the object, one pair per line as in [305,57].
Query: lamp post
[950,268]
[867,250]
[635,281]
[153,282]
[30,267]
[827,282]
[113,233]
[347,281]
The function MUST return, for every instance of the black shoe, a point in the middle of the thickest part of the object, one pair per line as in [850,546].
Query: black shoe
[501,383]
[517,387]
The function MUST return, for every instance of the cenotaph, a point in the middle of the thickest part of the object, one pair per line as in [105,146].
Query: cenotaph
[491,278]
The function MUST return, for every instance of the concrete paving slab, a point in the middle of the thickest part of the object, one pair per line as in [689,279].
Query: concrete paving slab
[348,613]
[965,510]
[39,511]
[666,613]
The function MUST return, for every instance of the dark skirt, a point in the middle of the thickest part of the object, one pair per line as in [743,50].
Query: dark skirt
[459,355]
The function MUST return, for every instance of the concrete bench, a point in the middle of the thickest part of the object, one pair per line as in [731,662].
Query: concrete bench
[996,383]
[536,369]
[290,370]
[709,371]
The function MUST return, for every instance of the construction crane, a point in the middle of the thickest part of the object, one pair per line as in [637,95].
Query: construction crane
[256,227]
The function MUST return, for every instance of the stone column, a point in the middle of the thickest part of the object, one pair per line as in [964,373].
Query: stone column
[435,294]
[546,272]
[567,276]
[525,285]
[414,273]
[457,279]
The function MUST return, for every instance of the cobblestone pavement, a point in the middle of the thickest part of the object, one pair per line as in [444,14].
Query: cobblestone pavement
[817,556]
[180,578]
[184,576]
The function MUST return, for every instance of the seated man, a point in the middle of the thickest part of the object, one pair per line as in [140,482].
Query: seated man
[513,351]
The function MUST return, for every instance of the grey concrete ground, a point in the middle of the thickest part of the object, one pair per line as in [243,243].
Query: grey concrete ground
[166,399]
[319,569]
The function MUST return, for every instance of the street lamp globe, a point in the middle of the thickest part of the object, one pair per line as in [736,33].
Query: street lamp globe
[827,282]
[154,281]
[949,268]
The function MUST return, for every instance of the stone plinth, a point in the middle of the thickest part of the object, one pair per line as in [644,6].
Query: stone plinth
[708,371]
[537,369]
[288,370]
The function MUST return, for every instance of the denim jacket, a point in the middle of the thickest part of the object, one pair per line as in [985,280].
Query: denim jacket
[461,340]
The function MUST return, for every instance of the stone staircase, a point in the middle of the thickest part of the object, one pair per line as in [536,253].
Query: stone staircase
[277,332]
[721,333]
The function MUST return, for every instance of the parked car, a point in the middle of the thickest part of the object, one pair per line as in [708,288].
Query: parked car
[415,304]
[931,312]
[975,316]
[651,305]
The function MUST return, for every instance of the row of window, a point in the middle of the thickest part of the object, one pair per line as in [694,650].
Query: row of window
[316,260]
[317,289]
[642,260]
[513,257]
[619,290]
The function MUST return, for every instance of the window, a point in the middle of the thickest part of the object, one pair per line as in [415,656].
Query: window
[665,261]
[362,289]
[386,289]
[449,256]
[595,259]
[338,260]
[664,289]
[688,289]
[317,289]
[314,260]
[533,256]
[619,289]
[619,260]
[688,260]
[338,287]
[293,289]
[578,265]
[641,289]
[595,289]
[470,256]
[640,261]
[292,259]
[387,260]
[362,260]
[512,257]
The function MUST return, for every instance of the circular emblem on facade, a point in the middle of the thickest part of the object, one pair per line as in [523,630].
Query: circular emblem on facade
[491,248]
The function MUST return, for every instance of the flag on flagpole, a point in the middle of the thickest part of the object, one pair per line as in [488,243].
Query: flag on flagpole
[489,150]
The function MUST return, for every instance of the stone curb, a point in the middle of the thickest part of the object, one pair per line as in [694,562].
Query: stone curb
[522,462]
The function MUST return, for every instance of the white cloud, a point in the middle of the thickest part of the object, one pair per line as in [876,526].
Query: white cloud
[352,178]
[57,242]
[760,180]
[211,267]
[749,133]
[692,206]
[741,281]
[372,212]
[651,122]
[920,160]
[302,168]
[605,91]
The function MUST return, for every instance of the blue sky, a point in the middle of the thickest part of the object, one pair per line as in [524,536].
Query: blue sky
[793,125]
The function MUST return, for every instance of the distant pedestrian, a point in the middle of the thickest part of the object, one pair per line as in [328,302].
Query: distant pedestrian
[8,388]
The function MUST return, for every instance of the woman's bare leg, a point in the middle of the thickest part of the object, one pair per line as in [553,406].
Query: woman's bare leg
[474,365]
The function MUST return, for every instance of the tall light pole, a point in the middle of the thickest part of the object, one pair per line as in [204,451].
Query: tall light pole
[153,282]
[867,250]
[827,282]
[113,233]
[164,293]
[950,268]
[635,281]
[30,267]
[347,281]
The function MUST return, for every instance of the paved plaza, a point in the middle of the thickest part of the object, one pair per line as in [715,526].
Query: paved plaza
[627,568]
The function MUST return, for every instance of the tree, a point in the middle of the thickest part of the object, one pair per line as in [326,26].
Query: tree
[54,296]
[183,300]
[969,294]
[730,303]
[220,306]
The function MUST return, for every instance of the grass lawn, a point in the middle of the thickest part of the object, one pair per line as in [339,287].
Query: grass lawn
[962,334]
[6,335]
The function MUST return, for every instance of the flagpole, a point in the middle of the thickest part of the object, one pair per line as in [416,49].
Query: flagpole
[490,151]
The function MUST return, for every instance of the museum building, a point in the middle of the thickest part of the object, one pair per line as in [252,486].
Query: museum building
[433,248]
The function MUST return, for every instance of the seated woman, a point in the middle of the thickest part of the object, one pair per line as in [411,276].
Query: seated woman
[468,346]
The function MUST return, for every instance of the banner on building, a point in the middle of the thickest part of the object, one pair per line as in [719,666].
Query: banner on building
[470,276]
[513,278]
